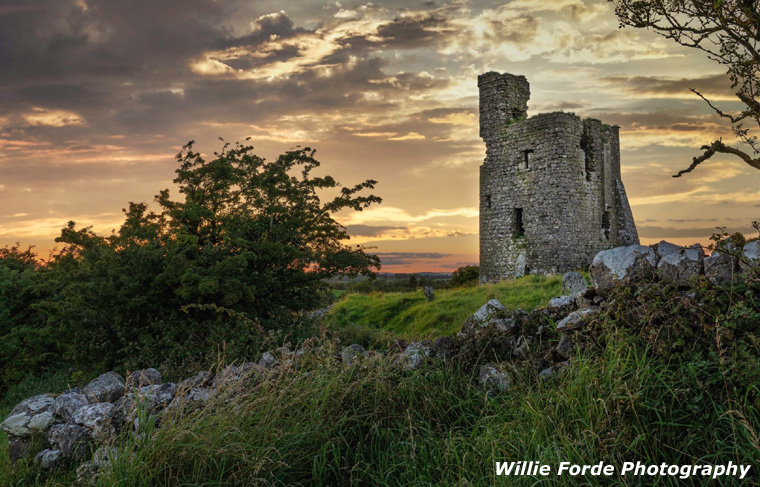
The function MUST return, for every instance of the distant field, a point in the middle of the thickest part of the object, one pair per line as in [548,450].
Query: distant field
[409,315]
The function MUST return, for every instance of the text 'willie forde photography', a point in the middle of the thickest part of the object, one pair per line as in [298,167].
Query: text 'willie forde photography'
[633,469]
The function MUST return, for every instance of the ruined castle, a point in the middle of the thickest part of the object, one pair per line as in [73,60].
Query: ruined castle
[551,195]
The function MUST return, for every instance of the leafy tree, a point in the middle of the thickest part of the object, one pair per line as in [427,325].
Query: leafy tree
[729,32]
[26,341]
[465,276]
[412,282]
[245,248]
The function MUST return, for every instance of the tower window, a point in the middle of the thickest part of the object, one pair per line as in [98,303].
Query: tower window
[519,230]
[587,160]
[606,225]
[488,201]
[527,156]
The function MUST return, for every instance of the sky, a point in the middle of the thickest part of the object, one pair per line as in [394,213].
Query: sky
[97,97]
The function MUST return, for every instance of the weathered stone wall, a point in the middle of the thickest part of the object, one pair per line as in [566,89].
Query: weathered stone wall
[551,195]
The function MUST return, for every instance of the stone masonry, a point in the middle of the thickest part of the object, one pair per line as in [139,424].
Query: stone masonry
[551,195]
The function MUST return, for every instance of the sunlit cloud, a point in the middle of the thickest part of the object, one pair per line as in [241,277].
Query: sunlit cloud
[52,118]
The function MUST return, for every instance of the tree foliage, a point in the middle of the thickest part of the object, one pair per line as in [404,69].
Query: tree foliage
[729,32]
[465,276]
[243,250]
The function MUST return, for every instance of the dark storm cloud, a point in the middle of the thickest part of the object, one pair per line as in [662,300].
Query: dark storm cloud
[667,86]
[106,38]
[413,31]
[369,230]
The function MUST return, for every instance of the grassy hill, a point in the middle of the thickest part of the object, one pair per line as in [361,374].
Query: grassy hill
[410,315]
[664,377]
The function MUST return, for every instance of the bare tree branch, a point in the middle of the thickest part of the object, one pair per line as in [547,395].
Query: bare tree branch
[728,31]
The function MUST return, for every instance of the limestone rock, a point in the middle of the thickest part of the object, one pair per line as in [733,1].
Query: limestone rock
[680,267]
[562,304]
[268,360]
[351,352]
[488,310]
[145,377]
[414,355]
[41,422]
[48,459]
[621,265]
[444,347]
[566,347]
[550,372]
[751,255]
[67,403]
[721,269]
[572,320]
[522,347]
[664,248]
[97,420]
[107,388]
[35,405]
[158,396]
[71,439]
[494,378]
[190,398]
[17,425]
[573,282]
[201,379]
[483,317]
[34,413]
[234,375]
[429,293]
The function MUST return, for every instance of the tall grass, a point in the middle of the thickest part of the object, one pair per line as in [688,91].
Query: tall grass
[372,425]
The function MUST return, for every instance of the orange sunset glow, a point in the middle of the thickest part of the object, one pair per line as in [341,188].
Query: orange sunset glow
[97,97]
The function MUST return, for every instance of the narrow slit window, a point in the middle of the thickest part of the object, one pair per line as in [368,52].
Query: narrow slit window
[527,156]
[519,227]
[488,201]
[606,225]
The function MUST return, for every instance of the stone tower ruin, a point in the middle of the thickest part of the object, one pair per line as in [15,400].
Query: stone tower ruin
[551,195]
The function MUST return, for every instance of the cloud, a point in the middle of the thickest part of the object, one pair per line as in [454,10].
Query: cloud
[407,258]
[701,233]
[369,230]
[714,87]
[53,118]
[389,213]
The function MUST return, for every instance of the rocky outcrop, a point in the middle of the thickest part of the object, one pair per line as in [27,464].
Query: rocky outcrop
[495,378]
[721,268]
[429,293]
[106,388]
[621,265]
[680,267]
[750,256]
[573,283]
[350,353]
[663,249]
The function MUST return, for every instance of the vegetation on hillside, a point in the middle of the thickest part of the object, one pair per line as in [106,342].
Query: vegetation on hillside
[245,249]
[662,376]
[375,318]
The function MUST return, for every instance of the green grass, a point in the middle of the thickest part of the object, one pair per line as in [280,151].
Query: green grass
[371,425]
[410,315]
[626,397]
